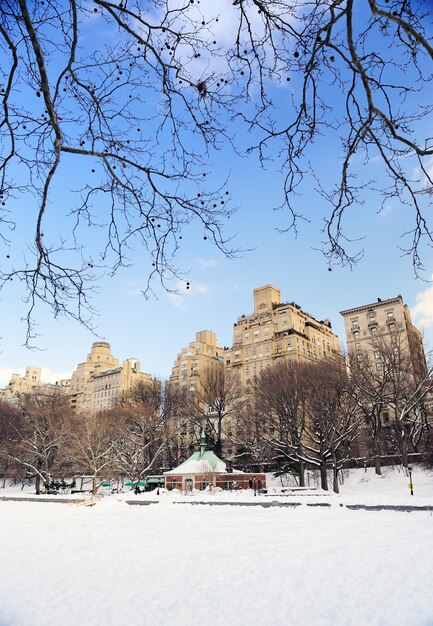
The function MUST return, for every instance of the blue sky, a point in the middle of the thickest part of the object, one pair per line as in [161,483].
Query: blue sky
[155,329]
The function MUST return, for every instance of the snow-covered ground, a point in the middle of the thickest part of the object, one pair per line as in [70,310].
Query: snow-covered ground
[175,564]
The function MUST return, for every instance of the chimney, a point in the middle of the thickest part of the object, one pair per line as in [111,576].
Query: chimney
[229,466]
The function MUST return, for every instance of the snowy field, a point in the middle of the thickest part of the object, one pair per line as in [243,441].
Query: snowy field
[176,564]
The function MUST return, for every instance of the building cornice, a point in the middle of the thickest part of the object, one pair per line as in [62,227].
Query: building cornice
[373,305]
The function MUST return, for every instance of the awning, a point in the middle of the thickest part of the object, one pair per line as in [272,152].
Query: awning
[139,484]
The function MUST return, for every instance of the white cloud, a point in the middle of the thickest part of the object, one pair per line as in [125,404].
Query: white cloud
[422,312]
[205,264]
[47,375]
[198,288]
[185,289]
[219,34]
[176,300]
[134,292]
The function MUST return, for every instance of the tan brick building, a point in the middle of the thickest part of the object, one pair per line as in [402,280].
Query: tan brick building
[201,355]
[21,384]
[192,366]
[100,382]
[382,320]
[277,330]
[374,332]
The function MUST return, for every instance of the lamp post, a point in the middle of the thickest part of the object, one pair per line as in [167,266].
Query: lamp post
[409,469]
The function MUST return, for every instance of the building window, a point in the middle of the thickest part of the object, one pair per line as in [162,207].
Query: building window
[390,316]
[356,334]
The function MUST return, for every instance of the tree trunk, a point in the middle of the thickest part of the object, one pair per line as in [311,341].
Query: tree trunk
[323,475]
[94,484]
[5,469]
[301,474]
[38,484]
[403,438]
[219,444]
[335,474]
[376,451]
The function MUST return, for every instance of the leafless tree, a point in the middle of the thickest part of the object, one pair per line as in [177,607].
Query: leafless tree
[333,419]
[389,385]
[104,90]
[40,435]
[140,422]
[9,417]
[369,388]
[406,389]
[215,405]
[175,406]
[126,103]
[93,439]
[361,77]
[309,416]
[280,400]
[249,438]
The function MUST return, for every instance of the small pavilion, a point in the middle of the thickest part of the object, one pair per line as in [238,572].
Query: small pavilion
[204,468]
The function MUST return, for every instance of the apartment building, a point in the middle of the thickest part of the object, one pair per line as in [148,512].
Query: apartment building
[373,331]
[21,384]
[100,382]
[194,365]
[193,362]
[108,387]
[277,330]
[383,320]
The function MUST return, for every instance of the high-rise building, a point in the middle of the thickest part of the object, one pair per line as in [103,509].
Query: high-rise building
[100,382]
[277,330]
[193,362]
[194,365]
[21,384]
[109,386]
[383,320]
[381,338]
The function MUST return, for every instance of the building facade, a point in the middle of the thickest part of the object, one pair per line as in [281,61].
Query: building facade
[109,386]
[100,382]
[382,321]
[193,362]
[202,358]
[21,384]
[277,330]
[380,339]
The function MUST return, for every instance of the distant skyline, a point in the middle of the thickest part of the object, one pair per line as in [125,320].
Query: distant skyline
[170,323]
